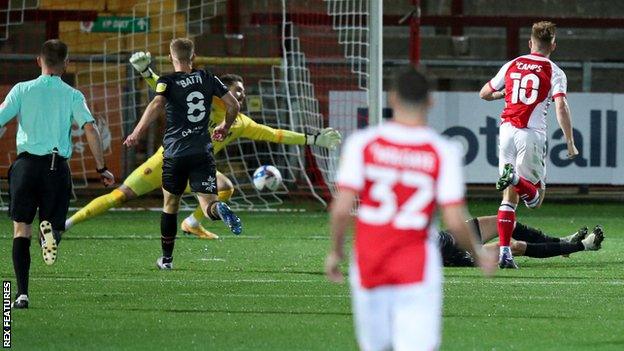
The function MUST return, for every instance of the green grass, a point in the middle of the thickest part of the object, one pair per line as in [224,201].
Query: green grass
[265,290]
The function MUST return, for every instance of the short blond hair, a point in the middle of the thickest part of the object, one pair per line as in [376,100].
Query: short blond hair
[182,49]
[543,32]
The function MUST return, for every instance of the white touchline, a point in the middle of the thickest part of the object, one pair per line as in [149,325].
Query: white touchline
[533,282]
[201,294]
[168,279]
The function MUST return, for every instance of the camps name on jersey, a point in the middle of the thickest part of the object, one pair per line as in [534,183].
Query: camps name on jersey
[192,79]
[522,66]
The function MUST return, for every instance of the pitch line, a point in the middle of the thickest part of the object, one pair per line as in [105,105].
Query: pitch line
[200,294]
[287,281]
[165,280]
[534,282]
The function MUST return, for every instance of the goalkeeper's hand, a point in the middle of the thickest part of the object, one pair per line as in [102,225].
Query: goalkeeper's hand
[141,62]
[327,138]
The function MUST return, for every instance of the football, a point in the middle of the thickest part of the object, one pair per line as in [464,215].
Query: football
[267,177]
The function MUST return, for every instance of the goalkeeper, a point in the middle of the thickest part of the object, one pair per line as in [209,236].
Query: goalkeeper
[148,176]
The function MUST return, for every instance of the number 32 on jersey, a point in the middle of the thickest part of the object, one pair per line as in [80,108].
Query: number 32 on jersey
[411,214]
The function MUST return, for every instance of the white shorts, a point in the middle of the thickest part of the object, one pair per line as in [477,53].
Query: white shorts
[525,149]
[399,317]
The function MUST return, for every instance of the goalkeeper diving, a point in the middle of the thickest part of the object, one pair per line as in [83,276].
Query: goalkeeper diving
[148,176]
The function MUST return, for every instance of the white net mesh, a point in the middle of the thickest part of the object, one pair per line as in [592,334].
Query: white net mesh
[349,19]
[12,13]
[117,97]
[295,71]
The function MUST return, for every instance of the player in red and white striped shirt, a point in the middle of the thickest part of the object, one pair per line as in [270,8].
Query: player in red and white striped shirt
[529,84]
[401,171]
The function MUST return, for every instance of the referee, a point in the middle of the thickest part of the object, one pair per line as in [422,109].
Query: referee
[40,178]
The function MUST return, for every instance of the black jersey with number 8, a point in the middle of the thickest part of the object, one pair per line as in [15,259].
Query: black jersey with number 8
[189,96]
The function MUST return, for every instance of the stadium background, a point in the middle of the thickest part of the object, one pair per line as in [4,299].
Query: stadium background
[293,54]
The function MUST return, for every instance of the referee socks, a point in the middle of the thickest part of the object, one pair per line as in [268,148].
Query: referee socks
[21,263]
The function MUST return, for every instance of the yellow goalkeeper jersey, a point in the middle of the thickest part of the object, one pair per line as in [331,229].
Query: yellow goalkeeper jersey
[148,176]
[245,127]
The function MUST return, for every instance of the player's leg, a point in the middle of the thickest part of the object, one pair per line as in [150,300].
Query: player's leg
[417,316]
[101,204]
[168,228]
[217,210]
[203,182]
[192,223]
[371,315]
[175,175]
[506,216]
[23,200]
[486,227]
[529,234]
[55,193]
[592,242]
[529,173]
[506,220]
[22,233]
[144,179]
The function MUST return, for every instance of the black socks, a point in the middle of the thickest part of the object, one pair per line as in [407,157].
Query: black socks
[21,263]
[531,235]
[552,249]
[168,230]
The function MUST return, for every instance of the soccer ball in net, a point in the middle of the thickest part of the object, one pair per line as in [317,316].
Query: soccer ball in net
[267,177]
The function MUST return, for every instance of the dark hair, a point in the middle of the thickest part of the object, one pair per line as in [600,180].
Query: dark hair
[54,53]
[544,32]
[411,86]
[231,78]
[182,49]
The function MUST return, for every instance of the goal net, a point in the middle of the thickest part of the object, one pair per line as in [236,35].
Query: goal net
[12,14]
[301,62]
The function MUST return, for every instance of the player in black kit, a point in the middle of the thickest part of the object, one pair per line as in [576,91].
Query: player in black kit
[188,158]
[526,241]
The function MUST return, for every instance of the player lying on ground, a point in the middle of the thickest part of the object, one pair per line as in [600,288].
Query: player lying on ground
[147,177]
[188,159]
[527,241]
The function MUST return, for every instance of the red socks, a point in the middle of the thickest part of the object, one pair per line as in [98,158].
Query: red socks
[506,222]
[527,191]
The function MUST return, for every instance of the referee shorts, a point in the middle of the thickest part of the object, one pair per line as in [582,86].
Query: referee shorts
[33,185]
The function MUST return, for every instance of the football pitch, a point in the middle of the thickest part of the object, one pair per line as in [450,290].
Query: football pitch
[265,290]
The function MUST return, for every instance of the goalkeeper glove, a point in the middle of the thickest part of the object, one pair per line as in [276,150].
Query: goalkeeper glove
[141,62]
[327,138]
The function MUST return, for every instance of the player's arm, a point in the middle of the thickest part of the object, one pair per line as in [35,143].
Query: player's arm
[450,189]
[83,118]
[152,112]
[10,106]
[350,181]
[454,216]
[488,93]
[340,218]
[232,106]
[94,139]
[564,119]
[494,89]
[327,138]
[141,62]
